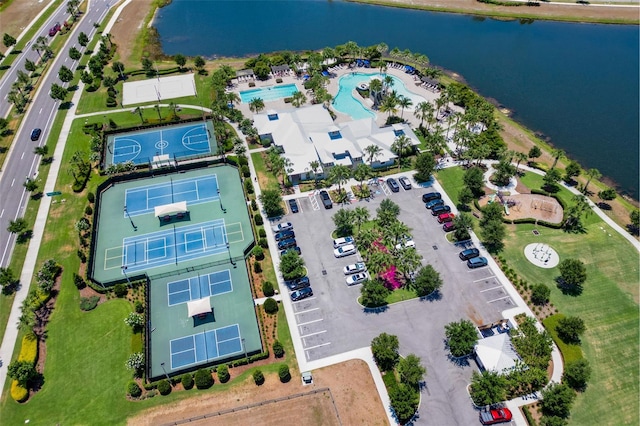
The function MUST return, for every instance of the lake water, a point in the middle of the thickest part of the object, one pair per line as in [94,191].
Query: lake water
[575,83]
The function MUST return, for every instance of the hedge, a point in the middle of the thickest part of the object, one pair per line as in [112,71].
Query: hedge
[29,349]
[18,393]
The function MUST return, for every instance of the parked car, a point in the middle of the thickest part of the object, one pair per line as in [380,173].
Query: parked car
[477,262]
[326,200]
[284,226]
[303,293]
[298,283]
[438,210]
[296,249]
[35,134]
[343,251]
[393,184]
[339,242]
[285,244]
[430,196]
[448,226]
[293,206]
[283,235]
[434,203]
[406,244]
[494,416]
[354,268]
[469,254]
[405,182]
[53,30]
[357,278]
[446,217]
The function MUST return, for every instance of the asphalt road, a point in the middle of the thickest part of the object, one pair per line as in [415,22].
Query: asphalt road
[332,322]
[22,162]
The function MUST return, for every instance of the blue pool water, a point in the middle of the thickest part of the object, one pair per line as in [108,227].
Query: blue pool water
[271,93]
[345,102]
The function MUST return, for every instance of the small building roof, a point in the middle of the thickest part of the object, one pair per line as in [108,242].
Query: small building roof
[199,306]
[244,73]
[280,68]
[496,353]
[165,209]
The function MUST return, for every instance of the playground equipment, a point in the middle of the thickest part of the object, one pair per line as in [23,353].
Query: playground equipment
[543,205]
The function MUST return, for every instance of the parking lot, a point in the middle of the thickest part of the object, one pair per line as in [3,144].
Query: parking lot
[332,322]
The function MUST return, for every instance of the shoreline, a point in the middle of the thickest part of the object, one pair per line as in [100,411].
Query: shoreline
[623,14]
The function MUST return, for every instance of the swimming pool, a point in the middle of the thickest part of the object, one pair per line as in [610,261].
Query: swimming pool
[345,102]
[267,94]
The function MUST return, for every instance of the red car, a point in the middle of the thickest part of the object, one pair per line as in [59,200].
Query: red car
[446,217]
[54,29]
[494,416]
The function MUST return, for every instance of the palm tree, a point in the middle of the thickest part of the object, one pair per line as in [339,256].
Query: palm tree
[423,111]
[408,260]
[256,105]
[557,154]
[404,102]
[373,152]
[394,232]
[339,174]
[400,146]
[232,98]
[315,165]
[378,262]
[138,111]
[520,157]
[591,174]
[360,217]
[41,150]
[361,173]
[365,239]
[375,89]
[390,104]
[298,99]
[388,83]
[285,168]
[30,185]
[574,212]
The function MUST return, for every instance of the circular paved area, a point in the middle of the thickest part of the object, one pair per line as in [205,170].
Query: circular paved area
[542,255]
[511,188]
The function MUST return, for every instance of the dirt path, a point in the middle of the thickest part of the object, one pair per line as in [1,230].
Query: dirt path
[127,27]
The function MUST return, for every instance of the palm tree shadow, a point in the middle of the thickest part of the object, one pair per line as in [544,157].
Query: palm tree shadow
[432,297]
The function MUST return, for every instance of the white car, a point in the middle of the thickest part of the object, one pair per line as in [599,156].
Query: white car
[343,251]
[355,268]
[339,242]
[357,278]
[406,244]
[284,226]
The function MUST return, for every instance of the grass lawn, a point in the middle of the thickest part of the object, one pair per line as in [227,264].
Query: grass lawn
[266,179]
[608,306]
[569,352]
[451,179]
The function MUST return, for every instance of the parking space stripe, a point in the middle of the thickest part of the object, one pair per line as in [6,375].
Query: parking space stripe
[316,346]
[489,289]
[310,322]
[499,298]
[308,310]
[313,334]
[482,279]
[308,298]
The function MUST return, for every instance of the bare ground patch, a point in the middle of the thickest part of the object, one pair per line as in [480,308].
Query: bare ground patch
[534,206]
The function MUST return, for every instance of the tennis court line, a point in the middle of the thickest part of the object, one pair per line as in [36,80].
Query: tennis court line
[194,281]
[193,349]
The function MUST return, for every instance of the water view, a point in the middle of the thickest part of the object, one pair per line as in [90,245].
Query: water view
[575,83]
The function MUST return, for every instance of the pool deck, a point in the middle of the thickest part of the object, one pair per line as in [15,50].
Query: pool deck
[333,88]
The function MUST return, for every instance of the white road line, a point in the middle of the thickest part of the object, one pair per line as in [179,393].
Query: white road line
[482,279]
[308,310]
[2,213]
[316,346]
[310,322]
[475,270]
[40,111]
[13,181]
[308,298]
[313,334]
[499,298]
[22,156]
[489,289]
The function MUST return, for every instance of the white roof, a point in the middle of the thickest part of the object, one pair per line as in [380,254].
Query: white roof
[496,353]
[200,306]
[166,209]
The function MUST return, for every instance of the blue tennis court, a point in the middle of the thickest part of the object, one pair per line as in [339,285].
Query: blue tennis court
[175,141]
[205,346]
[199,286]
[144,199]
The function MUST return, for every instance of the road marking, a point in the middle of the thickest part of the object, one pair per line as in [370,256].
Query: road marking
[310,322]
[22,156]
[482,279]
[316,346]
[66,59]
[308,310]
[13,181]
[2,213]
[492,288]
[313,334]
[308,298]
[40,111]
[499,298]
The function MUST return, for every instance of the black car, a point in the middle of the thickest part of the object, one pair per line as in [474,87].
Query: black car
[469,254]
[393,185]
[293,206]
[296,249]
[404,181]
[326,200]
[438,210]
[298,283]
[301,294]
[35,134]
[434,203]
[430,196]
[283,235]
[285,244]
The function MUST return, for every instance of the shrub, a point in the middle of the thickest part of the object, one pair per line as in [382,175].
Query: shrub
[91,197]
[111,102]
[120,290]
[245,171]
[248,186]
[223,373]
[88,211]
[29,348]
[262,242]
[278,349]
[18,393]
[89,303]
[278,80]
[262,233]
[257,218]
[78,281]
[203,379]
[187,381]
[540,294]
[133,389]
[254,206]
[139,307]
[258,377]
[257,267]
[267,289]
[258,252]
[164,387]
[270,306]
[283,373]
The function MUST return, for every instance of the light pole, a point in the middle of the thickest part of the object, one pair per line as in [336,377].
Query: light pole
[230,258]
[165,373]
[220,198]
[124,271]
[135,228]
[244,348]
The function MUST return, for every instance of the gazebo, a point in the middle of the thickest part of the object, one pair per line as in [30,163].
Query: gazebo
[496,353]
[199,308]
[166,211]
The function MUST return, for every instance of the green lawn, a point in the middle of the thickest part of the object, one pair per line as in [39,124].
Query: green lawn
[451,179]
[569,352]
[608,306]
[263,174]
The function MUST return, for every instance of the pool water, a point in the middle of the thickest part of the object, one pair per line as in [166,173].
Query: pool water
[346,103]
[271,93]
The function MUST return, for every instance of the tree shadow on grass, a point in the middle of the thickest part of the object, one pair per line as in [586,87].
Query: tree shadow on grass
[568,289]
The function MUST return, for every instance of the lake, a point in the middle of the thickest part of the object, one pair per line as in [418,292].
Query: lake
[575,83]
